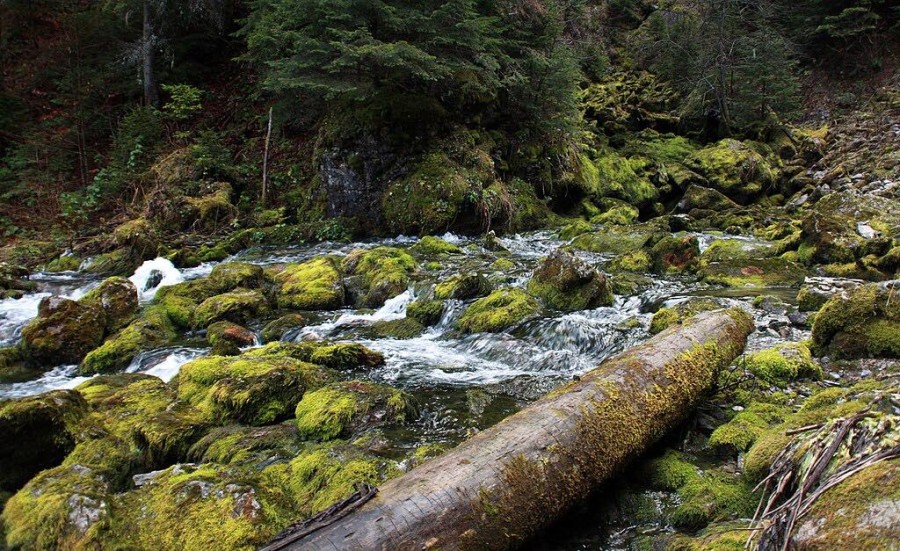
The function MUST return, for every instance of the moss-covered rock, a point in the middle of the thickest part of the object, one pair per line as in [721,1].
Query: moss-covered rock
[142,412]
[497,311]
[212,210]
[606,173]
[344,356]
[575,229]
[636,261]
[675,254]
[180,310]
[712,496]
[250,446]
[741,263]
[66,507]
[63,263]
[117,262]
[118,298]
[139,237]
[405,328]
[815,292]
[238,306]
[861,322]
[312,285]
[433,246]
[151,330]
[783,364]
[463,287]
[702,199]
[342,409]
[832,232]
[197,507]
[63,332]
[229,332]
[231,275]
[740,433]
[276,329]
[254,390]
[735,169]
[326,474]
[615,239]
[426,312]
[616,211]
[38,432]
[672,315]
[383,273]
[565,282]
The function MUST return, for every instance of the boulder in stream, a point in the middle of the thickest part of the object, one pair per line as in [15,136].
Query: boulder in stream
[497,311]
[565,282]
[63,332]
[861,322]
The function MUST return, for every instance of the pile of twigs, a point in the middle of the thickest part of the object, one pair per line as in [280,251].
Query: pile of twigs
[814,463]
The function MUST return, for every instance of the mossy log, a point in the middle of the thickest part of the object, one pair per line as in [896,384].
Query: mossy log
[499,488]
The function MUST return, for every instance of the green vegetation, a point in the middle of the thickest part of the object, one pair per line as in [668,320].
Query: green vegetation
[498,310]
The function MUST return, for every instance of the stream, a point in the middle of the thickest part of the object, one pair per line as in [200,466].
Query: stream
[463,383]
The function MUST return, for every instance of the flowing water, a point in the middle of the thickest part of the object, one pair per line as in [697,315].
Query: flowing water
[463,383]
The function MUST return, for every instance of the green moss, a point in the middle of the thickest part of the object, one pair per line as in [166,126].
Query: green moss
[254,390]
[762,272]
[342,409]
[326,474]
[618,212]
[384,272]
[238,306]
[65,263]
[117,262]
[614,239]
[250,446]
[502,265]
[63,507]
[426,312]
[858,513]
[710,497]
[341,356]
[609,174]
[276,329]
[783,363]
[565,282]
[232,275]
[636,261]
[214,210]
[500,309]
[669,316]
[861,322]
[668,472]
[463,287]
[199,507]
[734,169]
[743,429]
[575,229]
[405,328]
[143,412]
[152,329]
[312,285]
[139,237]
[433,196]
[434,246]
[179,310]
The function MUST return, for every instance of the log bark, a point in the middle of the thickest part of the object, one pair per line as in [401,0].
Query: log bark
[499,488]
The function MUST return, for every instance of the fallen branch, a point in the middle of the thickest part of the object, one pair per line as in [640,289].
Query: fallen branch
[499,488]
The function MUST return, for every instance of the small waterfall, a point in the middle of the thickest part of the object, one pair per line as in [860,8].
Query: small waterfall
[154,274]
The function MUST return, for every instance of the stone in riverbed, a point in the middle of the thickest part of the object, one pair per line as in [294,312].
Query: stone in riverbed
[63,332]
[565,282]
[861,322]
[497,311]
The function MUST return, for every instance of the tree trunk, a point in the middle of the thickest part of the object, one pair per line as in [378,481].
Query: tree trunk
[499,488]
[148,58]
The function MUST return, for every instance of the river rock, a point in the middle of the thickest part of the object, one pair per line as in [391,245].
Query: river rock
[63,332]
[118,298]
[565,282]
[816,291]
[860,322]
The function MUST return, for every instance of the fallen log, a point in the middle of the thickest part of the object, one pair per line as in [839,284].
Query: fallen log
[499,488]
